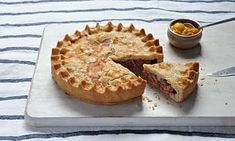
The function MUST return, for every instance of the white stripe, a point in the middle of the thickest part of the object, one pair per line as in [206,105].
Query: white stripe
[12,107]
[148,15]
[197,6]
[21,128]
[19,55]
[80,16]
[13,89]
[35,42]
[21,30]
[16,71]
[75,5]
[117,4]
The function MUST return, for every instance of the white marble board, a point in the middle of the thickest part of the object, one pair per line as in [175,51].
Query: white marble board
[212,103]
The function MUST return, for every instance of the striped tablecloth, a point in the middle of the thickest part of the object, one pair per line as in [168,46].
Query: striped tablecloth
[21,27]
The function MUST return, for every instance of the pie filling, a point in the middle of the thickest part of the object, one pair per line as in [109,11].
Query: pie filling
[136,66]
[162,84]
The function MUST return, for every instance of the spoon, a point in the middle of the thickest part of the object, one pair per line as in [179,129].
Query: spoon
[218,22]
[211,24]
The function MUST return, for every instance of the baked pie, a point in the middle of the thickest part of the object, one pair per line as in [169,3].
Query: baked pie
[175,80]
[102,64]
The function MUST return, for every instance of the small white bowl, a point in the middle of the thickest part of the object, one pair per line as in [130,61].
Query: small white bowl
[184,41]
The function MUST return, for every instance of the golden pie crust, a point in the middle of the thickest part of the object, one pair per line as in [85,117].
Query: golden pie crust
[181,77]
[88,64]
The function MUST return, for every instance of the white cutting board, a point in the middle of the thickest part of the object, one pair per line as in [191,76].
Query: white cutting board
[212,103]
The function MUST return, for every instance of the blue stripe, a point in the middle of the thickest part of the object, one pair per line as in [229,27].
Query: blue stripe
[13,97]
[86,21]
[18,48]
[11,117]
[116,132]
[6,61]
[21,36]
[49,1]
[114,9]
[15,80]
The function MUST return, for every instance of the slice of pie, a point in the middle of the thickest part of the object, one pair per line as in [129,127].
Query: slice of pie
[101,64]
[175,80]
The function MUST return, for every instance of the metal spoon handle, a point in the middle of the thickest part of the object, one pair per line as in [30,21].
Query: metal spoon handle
[219,22]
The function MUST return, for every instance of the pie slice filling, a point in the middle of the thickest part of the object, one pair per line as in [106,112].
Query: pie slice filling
[174,80]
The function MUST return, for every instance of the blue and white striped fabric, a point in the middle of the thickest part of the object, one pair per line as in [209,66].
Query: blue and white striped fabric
[21,27]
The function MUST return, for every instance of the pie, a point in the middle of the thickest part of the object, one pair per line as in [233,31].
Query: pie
[175,80]
[103,64]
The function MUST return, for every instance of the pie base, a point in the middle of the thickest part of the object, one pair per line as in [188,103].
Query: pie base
[107,98]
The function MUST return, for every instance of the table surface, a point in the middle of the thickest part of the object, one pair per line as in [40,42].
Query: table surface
[21,28]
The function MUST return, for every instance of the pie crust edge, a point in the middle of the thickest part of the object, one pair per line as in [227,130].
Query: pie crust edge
[109,97]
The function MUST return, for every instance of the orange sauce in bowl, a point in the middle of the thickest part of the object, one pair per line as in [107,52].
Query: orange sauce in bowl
[184,28]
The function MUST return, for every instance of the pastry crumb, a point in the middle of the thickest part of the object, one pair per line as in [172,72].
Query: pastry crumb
[226,103]
[203,78]
[201,84]
[155,105]
[149,100]
[157,97]
[144,98]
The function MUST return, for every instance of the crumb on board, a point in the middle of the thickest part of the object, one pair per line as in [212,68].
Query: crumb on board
[202,78]
[226,103]
[216,80]
[153,108]
[149,100]
[155,104]
[157,97]
[145,98]
[200,84]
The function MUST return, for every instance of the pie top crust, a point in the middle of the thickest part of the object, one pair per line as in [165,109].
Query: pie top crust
[87,60]
[182,77]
